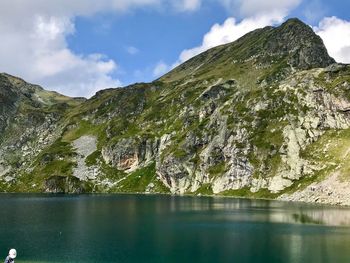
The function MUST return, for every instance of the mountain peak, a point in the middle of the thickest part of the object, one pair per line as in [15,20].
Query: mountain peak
[302,47]
[294,21]
[293,44]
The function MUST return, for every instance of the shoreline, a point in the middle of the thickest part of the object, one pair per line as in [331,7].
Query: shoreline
[176,195]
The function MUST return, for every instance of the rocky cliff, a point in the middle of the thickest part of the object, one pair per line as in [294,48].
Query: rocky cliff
[265,116]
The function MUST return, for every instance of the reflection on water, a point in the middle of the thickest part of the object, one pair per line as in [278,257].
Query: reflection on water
[305,219]
[133,228]
[278,212]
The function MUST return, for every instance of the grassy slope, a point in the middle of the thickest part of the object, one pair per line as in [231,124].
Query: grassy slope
[154,109]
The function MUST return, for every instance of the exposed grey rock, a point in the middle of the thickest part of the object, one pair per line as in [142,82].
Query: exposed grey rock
[65,184]
[132,153]
[84,146]
[332,190]
[239,116]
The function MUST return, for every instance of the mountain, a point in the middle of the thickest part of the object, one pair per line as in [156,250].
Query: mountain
[266,116]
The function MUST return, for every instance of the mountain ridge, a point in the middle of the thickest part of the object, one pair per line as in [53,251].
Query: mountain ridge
[251,118]
[296,38]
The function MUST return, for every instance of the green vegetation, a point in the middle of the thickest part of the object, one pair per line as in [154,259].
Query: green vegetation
[93,158]
[110,173]
[205,189]
[245,192]
[217,170]
[84,128]
[226,104]
[138,181]
[332,152]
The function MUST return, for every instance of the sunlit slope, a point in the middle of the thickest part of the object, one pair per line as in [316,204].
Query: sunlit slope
[248,118]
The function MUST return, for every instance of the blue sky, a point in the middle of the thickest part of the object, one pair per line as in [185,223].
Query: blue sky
[157,36]
[81,46]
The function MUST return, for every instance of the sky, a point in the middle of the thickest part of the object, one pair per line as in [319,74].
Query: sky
[77,47]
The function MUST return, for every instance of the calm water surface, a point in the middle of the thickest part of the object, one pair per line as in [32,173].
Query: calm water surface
[135,228]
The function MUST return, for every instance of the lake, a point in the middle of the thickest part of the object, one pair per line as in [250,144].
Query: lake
[141,228]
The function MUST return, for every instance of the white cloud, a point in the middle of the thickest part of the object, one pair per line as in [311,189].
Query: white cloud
[220,34]
[132,50]
[257,14]
[69,7]
[229,31]
[34,44]
[187,5]
[249,8]
[335,33]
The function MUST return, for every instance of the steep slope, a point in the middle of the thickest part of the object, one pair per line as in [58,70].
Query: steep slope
[270,52]
[30,119]
[263,116]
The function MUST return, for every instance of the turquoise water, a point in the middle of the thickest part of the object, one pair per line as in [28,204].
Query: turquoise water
[137,228]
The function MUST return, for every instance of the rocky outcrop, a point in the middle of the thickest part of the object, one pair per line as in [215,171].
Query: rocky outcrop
[298,42]
[253,117]
[84,146]
[332,190]
[131,153]
[175,174]
[226,156]
[66,184]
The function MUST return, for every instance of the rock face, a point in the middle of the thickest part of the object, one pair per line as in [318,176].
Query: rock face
[128,154]
[303,48]
[84,146]
[265,116]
